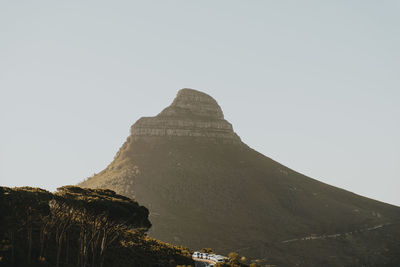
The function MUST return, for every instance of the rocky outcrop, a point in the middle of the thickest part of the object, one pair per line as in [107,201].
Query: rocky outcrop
[193,114]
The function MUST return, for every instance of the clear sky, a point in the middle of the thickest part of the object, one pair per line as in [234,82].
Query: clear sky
[314,85]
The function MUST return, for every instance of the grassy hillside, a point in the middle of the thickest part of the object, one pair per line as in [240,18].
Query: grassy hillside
[79,227]
[233,198]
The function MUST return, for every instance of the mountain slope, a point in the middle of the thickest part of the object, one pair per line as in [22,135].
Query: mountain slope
[204,187]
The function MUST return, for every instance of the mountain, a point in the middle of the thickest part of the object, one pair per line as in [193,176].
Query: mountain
[205,188]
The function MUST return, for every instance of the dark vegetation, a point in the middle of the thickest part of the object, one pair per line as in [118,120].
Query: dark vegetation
[79,227]
[235,260]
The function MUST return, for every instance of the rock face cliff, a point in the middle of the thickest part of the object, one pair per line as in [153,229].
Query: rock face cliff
[193,114]
[206,188]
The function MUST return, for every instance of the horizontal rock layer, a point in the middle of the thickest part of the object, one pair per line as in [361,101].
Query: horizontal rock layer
[193,103]
[193,114]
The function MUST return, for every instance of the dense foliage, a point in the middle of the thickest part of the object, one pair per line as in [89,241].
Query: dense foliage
[78,227]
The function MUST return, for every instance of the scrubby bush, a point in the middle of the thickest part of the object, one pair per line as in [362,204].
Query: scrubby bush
[78,227]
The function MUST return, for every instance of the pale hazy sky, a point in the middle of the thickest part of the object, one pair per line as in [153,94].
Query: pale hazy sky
[314,85]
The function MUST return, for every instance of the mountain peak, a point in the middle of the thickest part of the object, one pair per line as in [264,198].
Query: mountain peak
[192,113]
[193,103]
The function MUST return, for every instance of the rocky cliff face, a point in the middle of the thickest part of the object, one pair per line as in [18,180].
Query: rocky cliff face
[193,114]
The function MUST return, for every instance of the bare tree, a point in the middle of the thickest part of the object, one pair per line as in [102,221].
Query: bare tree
[62,217]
